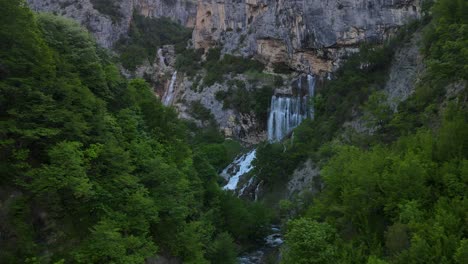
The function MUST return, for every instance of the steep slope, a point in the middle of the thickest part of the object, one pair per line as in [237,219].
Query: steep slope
[289,37]
[108,20]
[94,169]
[308,35]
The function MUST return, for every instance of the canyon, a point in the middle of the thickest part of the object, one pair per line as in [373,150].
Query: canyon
[307,37]
[233,131]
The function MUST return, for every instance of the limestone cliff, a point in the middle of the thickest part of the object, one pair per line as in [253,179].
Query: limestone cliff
[308,35]
[108,27]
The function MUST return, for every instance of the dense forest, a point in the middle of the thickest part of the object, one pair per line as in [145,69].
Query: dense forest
[94,169]
[397,195]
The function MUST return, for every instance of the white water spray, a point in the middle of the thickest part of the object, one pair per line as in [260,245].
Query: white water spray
[311,90]
[238,168]
[287,112]
[169,95]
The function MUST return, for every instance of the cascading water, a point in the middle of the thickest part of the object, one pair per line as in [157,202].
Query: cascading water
[287,112]
[169,95]
[311,90]
[238,168]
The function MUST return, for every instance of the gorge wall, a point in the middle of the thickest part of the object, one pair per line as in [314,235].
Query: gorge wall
[308,35]
[108,20]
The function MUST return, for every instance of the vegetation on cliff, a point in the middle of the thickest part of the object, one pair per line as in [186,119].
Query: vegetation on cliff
[397,194]
[145,35]
[94,168]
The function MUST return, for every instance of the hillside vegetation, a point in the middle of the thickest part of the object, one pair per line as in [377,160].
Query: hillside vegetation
[397,195]
[94,168]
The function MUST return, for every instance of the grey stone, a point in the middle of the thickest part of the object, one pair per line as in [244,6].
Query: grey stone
[406,70]
[106,31]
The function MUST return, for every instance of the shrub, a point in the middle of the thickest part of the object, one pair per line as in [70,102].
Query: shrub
[310,242]
[261,102]
[189,61]
[200,112]
[108,7]
[223,250]
[148,33]
[278,81]
[281,67]
[216,68]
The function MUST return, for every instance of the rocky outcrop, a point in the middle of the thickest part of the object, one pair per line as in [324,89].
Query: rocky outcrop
[406,71]
[304,179]
[108,29]
[240,126]
[308,35]
[105,30]
[159,72]
[181,11]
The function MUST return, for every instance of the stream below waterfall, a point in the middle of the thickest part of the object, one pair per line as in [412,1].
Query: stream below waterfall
[286,113]
[268,251]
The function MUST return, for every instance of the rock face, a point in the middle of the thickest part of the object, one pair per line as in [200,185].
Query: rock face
[304,179]
[241,126]
[106,29]
[308,35]
[406,70]
[181,11]
[103,28]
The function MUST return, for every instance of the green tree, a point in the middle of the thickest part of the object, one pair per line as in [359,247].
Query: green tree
[223,250]
[309,241]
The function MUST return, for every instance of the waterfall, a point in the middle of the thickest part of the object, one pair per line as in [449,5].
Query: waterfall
[238,168]
[311,90]
[168,96]
[287,112]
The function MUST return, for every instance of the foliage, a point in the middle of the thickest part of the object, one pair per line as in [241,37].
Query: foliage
[189,61]
[247,222]
[446,40]
[397,196]
[244,101]
[272,164]
[145,35]
[200,112]
[356,88]
[281,67]
[211,144]
[311,242]
[108,7]
[402,202]
[223,250]
[95,168]
[217,67]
